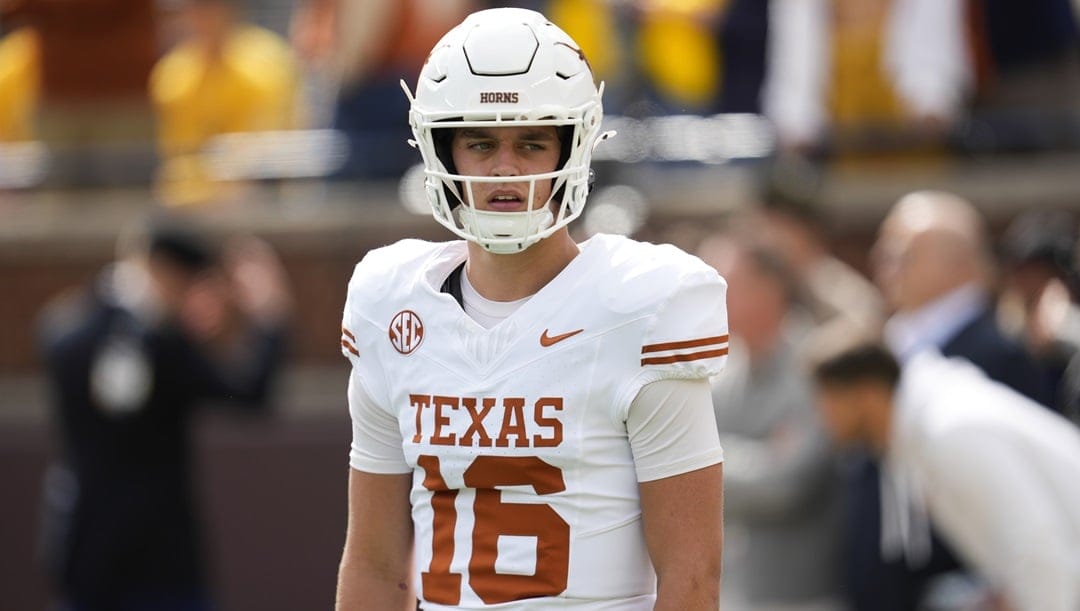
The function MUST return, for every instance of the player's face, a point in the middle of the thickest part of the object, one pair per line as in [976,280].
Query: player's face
[507,151]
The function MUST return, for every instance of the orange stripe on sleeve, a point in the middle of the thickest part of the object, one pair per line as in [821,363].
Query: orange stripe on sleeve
[691,343]
[679,358]
[348,333]
[346,345]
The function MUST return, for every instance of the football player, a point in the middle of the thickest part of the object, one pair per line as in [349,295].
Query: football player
[532,420]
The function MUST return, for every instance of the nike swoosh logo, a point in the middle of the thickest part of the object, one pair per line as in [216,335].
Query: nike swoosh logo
[550,340]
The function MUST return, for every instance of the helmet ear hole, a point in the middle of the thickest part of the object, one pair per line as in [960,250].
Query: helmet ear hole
[566,146]
[444,140]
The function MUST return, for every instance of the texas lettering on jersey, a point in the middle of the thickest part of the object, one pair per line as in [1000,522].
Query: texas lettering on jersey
[492,422]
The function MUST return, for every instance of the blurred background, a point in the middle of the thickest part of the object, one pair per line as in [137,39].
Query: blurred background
[284,119]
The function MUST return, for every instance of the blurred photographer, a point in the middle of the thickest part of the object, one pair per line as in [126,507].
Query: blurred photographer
[166,328]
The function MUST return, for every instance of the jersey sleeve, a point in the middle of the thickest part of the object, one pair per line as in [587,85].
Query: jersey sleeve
[376,441]
[687,337]
[376,436]
[672,429]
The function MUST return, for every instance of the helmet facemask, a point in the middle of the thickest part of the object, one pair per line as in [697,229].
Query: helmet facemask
[555,89]
[508,232]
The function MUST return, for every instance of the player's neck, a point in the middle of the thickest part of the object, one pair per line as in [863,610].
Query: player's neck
[516,276]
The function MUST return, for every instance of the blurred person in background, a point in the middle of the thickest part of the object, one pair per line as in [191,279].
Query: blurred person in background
[600,28]
[993,470]
[20,84]
[81,79]
[791,218]
[700,57]
[678,54]
[1037,288]
[165,329]
[994,74]
[1062,315]
[363,49]
[780,509]
[1050,286]
[861,73]
[933,264]
[224,76]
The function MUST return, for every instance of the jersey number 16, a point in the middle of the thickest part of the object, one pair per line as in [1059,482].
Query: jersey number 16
[493,518]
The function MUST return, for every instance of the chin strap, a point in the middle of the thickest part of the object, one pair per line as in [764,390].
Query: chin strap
[505,233]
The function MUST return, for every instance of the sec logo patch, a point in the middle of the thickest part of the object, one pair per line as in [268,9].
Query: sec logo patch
[406,332]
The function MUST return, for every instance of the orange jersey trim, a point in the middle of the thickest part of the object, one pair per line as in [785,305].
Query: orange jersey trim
[348,333]
[346,345]
[691,343]
[679,358]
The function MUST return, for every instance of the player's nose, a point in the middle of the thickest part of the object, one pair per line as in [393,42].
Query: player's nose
[505,162]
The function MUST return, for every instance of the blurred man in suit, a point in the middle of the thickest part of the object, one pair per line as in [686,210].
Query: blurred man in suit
[932,262]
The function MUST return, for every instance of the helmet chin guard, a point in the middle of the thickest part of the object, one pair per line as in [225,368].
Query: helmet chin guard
[497,231]
[506,68]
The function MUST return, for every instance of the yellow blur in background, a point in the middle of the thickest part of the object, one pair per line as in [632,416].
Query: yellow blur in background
[250,84]
[20,84]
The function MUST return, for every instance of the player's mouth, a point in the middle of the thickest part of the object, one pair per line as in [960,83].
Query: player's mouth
[506,201]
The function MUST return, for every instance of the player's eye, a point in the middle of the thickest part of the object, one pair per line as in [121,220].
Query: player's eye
[534,146]
[480,145]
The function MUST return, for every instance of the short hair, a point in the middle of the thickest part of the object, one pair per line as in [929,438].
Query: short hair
[180,241]
[792,187]
[855,364]
[761,255]
[773,265]
[1042,236]
[183,245]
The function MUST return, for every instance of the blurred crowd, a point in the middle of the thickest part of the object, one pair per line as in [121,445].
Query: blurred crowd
[98,81]
[908,440]
[839,494]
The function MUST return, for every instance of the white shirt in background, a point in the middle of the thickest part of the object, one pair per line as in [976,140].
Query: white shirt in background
[998,474]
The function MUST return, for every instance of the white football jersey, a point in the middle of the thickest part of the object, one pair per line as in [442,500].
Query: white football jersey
[524,486]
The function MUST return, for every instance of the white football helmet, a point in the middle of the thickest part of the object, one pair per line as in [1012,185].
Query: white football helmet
[506,67]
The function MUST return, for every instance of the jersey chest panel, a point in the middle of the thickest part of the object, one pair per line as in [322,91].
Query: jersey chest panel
[525,451]
[524,488]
